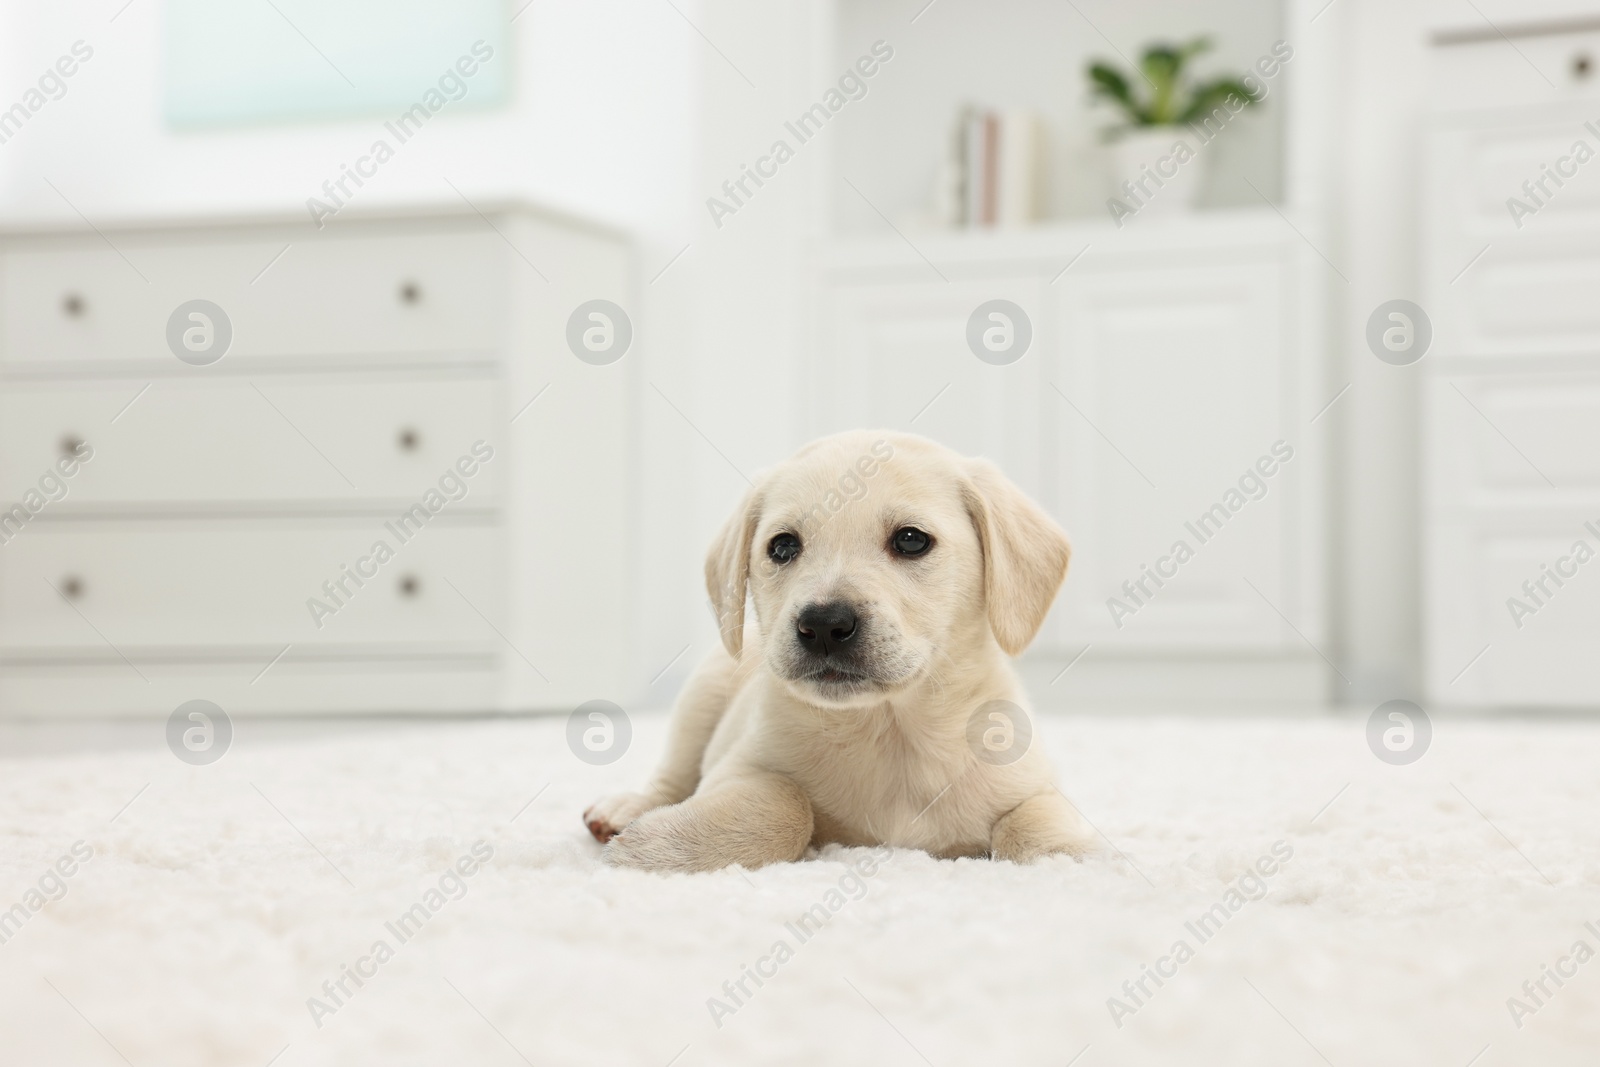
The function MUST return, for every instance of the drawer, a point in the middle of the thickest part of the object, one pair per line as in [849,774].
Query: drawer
[1474,67]
[200,586]
[1499,285]
[186,440]
[1493,440]
[290,293]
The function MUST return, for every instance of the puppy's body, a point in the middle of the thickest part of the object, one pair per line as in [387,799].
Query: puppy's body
[858,705]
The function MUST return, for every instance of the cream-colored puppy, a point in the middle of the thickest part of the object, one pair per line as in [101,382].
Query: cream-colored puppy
[872,701]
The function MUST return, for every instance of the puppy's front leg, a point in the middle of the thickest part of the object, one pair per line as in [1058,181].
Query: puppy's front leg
[700,708]
[754,819]
[1043,825]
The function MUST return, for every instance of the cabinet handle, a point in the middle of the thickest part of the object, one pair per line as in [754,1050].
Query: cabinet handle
[1582,66]
[72,587]
[410,293]
[70,444]
[409,439]
[409,586]
[73,306]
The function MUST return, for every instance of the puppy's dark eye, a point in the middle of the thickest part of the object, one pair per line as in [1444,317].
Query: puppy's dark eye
[910,541]
[783,548]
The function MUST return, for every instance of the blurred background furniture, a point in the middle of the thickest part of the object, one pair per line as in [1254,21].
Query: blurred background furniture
[372,366]
[1511,456]
[1170,350]
[1168,353]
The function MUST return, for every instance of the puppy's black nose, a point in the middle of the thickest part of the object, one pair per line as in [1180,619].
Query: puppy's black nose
[824,629]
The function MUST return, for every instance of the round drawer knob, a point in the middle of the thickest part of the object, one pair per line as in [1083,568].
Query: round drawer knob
[70,445]
[410,293]
[409,439]
[1582,66]
[72,587]
[409,586]
[73,306]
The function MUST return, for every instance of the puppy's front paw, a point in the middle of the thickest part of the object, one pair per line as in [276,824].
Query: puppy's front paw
[606,818]
[1044,825]
[650,844]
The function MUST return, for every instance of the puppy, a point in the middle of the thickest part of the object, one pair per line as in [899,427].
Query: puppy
[871,699]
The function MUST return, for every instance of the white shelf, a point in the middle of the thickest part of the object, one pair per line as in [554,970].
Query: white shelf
[1053,245]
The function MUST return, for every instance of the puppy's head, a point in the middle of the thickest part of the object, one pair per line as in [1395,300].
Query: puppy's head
[872,558]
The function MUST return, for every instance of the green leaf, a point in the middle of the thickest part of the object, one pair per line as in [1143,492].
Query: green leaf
[1161,65]
[1171,101]
[1212,95]
[1111,85]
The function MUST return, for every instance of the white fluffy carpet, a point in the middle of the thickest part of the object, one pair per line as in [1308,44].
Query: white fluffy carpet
[1413,907]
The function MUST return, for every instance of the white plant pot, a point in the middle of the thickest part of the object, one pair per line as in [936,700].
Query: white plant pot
[1157,170]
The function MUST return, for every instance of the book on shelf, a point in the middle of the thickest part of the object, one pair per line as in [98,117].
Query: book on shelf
[992,176]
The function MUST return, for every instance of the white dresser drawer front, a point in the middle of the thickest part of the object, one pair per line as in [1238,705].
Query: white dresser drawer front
[293,293]
[201,586]
[1514,440]
[1500,283]
[256,440]
[1494,161]
[1475,66]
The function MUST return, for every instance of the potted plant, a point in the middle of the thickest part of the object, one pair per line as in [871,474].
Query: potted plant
[1165,123]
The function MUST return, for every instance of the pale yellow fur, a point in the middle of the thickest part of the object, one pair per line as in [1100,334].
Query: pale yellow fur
[758,768]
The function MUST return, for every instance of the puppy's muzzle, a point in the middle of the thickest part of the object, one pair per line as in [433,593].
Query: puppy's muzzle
[828,631]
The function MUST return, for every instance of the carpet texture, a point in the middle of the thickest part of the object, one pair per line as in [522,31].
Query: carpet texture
[1271,893]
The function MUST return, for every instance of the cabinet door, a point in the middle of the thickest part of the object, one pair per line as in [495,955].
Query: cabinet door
[897,357]
[1513,559]
[1171,385]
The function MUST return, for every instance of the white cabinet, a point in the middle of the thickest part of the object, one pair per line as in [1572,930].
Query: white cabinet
[1164,365]
[1174,387]
[354,509]
[1511,456]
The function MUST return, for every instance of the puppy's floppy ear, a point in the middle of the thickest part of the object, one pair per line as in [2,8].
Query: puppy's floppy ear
[728,570]
[1024,555]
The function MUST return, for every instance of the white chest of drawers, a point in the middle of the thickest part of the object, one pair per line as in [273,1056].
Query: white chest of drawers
[1511,401]
[397,490]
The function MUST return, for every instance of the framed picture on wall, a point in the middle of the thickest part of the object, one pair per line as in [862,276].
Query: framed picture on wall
[229,62]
